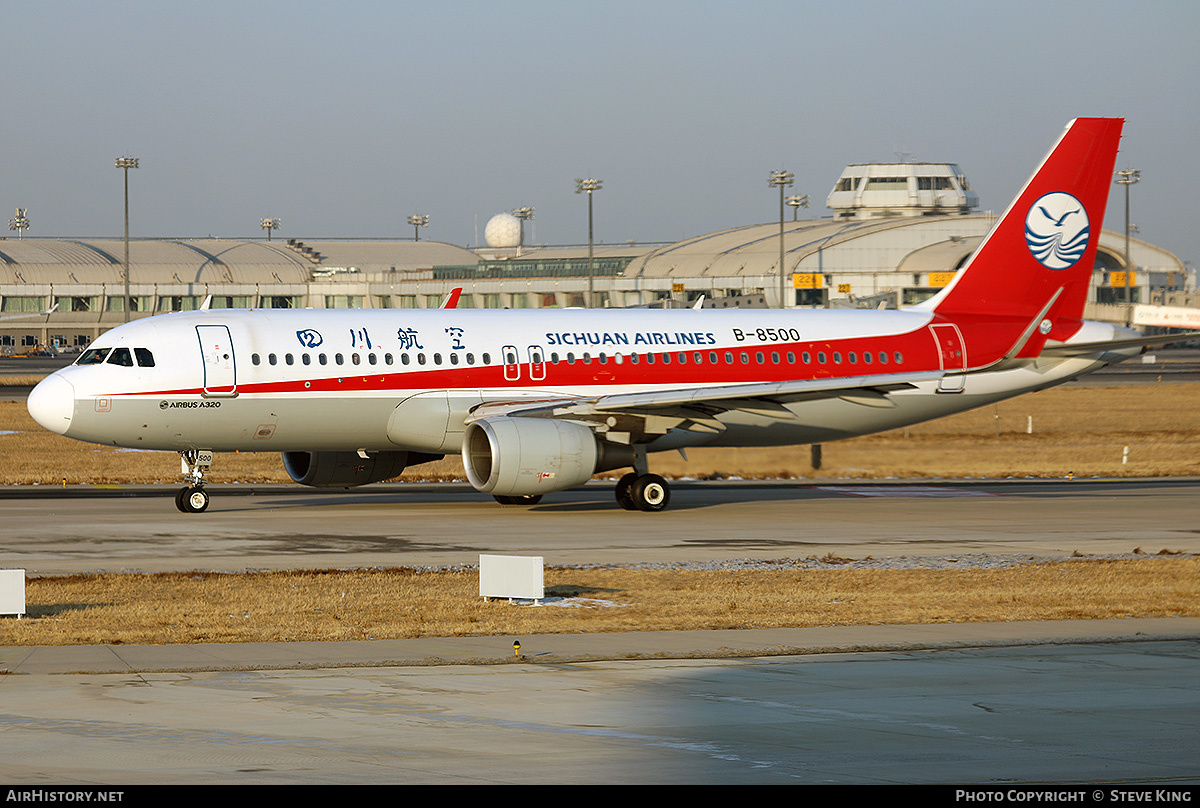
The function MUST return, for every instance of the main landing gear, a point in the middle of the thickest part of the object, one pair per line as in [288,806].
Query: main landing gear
[639,490]
[643,492]
[192,498]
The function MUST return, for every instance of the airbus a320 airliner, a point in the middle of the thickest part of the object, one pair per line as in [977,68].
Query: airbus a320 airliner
[538,401]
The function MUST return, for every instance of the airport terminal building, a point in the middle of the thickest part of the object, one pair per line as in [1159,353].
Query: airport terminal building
[898,233]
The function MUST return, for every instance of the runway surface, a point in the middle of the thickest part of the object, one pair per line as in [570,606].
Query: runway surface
[1047,714]
[990,704]
[422,524]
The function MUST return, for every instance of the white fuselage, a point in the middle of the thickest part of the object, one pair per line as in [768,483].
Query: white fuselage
[378,380]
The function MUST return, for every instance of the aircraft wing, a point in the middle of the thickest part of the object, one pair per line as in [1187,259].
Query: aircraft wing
[635,417]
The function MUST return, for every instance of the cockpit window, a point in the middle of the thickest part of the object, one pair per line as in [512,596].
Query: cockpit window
[145,359]
[122,357]
[93,356]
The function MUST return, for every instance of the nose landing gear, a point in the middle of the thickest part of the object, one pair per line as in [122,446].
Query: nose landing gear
[192,498]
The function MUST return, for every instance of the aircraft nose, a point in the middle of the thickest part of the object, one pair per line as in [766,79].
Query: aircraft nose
[52,403]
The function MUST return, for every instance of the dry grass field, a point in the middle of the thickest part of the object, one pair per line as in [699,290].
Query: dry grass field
[1076,430]
[397,603]
[1079,430]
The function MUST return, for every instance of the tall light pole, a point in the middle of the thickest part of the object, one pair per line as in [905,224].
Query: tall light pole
[782,179]
[1127,177]
[588,186]
[418,220]
[127,163]
[523,215]
[797,202]
[269,225]
[20,223]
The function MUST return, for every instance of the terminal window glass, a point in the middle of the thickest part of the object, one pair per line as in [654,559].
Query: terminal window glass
[22,303]
[231,302]
[117,303]
[178,303]
[934,184]
[66,304]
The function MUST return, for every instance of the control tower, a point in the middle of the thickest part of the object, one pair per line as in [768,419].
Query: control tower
[885,190]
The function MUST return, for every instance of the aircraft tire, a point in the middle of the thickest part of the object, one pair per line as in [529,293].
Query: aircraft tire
[624,491]
[193,500]
[650,492]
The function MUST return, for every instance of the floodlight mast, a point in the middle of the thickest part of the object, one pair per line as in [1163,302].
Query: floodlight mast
[418,220]
[523,215]
[127,163]
[269,225]
[588,186]
[20,223]
[797,202]
[1127,177]
[781,179]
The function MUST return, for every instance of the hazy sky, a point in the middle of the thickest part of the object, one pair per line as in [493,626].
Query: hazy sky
[344,118]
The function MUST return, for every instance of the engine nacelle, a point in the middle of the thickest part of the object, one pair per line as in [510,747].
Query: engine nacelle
[506,456]
[343,469]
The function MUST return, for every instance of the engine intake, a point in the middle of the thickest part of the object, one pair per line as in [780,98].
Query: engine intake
[507,456]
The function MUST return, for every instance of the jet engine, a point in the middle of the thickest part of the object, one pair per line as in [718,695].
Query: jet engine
[506,456]
[346,469]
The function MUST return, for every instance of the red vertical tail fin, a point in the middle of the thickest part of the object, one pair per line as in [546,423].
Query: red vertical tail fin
[1038,258]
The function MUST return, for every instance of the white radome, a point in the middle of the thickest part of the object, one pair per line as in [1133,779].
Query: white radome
[503,230]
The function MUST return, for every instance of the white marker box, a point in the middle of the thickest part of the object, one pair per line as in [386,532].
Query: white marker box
[12,592]
[511,577]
